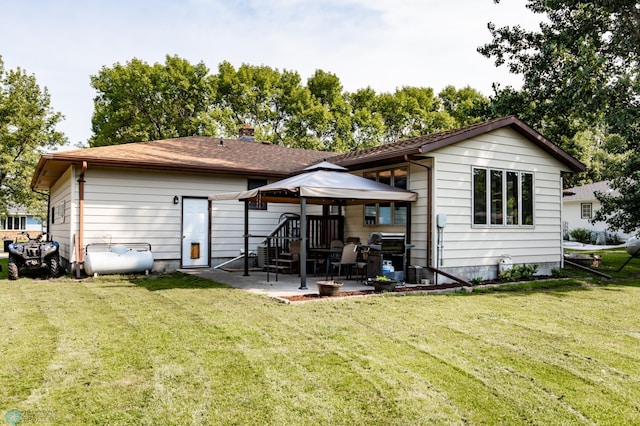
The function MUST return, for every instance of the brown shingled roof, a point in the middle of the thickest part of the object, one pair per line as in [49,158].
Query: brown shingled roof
[194,154]
[209,155]
[427,143]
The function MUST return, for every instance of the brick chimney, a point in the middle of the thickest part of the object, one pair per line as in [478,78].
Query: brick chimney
[246,133]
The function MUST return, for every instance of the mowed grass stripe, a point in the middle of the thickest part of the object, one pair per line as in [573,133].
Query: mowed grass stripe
[27,342]
[179,350]
[458,374]
[550,355]
[97,368]
[199,371]
[330,390]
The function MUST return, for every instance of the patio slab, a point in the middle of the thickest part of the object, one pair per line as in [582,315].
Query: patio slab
[256,282]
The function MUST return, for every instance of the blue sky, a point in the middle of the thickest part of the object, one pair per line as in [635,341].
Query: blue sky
[384,44]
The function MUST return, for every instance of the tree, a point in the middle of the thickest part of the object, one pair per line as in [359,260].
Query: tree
[580,68]
[269,100]
[139,102]
[581,71]
[330,114]
[27,128]
[466,105]
[622,210]
[412,111]
[367,125]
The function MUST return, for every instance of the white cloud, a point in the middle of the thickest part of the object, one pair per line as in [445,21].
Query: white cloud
[379,43]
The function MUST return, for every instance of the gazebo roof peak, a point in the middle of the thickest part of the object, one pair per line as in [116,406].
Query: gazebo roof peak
[325,165]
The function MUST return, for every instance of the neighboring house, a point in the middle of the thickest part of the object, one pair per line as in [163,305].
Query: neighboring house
[495,188]
[579,205]
[17,221]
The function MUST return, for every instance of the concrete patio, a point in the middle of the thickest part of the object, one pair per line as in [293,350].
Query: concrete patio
[286,284]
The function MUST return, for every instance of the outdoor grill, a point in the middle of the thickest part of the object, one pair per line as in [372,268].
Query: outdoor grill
[385,246]
[387,242]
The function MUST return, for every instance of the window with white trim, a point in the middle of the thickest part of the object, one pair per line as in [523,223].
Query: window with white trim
[387,213]
[586,210]
[13,223]
[502,197]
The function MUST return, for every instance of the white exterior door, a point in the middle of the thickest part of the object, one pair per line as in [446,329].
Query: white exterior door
[195,232]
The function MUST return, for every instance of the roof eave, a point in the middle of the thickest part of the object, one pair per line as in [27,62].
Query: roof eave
[519,126]
[92,161]
[377,159]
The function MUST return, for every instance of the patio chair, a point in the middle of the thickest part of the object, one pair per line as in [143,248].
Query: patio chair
[348,259]
[321,257]
[355,240]
[335,244]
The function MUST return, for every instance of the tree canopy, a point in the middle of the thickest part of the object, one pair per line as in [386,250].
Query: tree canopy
[139,102]
[581,88]
[27,128]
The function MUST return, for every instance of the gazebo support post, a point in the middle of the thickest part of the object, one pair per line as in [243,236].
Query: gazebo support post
[303,243]
[246,238]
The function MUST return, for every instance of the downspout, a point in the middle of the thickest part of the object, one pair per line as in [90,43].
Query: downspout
[79,253]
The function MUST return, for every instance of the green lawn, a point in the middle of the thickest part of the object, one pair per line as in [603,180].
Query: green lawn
[180,350]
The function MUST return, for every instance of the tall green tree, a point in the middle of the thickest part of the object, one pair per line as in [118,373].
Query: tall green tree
[330,114]
[622,210]
[412,111]
[581,72]
[269,100]
[27,129]
[580,67]
[140,102]
[466,105]
[367,124]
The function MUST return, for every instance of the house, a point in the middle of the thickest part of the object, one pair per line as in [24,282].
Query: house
[19,220]
[484,190]
[579,204]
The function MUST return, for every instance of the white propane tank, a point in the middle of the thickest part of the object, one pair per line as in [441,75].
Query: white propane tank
[387,266]
[633,246]
[505,263]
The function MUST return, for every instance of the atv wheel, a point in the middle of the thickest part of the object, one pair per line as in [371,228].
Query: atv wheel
[54,266]
[12,269]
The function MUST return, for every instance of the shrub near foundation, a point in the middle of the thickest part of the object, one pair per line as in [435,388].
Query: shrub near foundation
[519,273]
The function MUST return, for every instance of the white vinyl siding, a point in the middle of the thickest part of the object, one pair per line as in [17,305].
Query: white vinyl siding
[62,194]
[465,245]
[137,206]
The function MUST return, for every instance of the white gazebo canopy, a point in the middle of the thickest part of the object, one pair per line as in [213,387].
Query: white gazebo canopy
[322,183]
